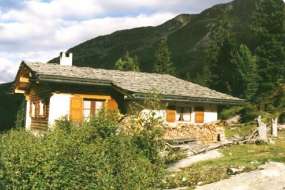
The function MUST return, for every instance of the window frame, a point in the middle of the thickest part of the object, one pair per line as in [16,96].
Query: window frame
[36,106]
[93,105]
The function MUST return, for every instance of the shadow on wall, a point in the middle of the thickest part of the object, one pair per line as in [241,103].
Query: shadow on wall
[9,106]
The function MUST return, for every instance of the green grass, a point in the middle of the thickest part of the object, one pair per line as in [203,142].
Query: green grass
[240,130]
[175,154]
[249,156]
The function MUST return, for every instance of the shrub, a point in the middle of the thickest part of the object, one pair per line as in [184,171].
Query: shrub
[2,175]
[94,156]
[227,113]
[104,127]
[150,143]
[20,118]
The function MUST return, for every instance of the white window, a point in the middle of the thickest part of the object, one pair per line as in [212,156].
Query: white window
[41,111]
[33,109]
[38,109]
[91,108]
[86,109]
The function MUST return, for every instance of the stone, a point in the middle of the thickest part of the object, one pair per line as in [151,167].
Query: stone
[234,171]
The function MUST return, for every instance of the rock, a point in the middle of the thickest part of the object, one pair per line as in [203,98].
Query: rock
[234,171]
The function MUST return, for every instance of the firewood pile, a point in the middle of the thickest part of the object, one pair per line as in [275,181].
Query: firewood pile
[205,134]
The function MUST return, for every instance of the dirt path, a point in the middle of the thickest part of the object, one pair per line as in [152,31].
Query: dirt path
[184,163]
[271,176]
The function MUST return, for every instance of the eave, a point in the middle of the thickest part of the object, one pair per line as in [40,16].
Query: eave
[171,98]
[72,80]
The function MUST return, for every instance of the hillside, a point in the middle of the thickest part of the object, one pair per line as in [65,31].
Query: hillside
[187,37]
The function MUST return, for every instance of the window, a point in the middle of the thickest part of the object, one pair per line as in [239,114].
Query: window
[41,109]
[183,114]
[91,108]
[38,109]
[33,109]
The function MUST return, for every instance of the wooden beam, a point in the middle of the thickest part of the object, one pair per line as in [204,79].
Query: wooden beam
[24,80]
[17,91]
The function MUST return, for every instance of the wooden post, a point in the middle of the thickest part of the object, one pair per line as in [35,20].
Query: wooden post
[262,130]
[275,127]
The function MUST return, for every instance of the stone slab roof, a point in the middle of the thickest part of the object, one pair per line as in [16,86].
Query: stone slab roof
[134,82]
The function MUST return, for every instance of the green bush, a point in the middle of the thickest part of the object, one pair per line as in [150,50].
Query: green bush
[104,128]
[227,113]
[149,142]
[94,156]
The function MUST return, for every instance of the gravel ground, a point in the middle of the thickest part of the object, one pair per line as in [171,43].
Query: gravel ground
[184,163]
[271,176]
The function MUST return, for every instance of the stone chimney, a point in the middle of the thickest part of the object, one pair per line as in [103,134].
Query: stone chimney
[65,59]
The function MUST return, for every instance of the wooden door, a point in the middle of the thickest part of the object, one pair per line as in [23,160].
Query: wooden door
[199,115]
[171,116]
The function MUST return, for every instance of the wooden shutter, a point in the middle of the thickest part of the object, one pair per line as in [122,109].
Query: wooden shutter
[76,109]
[112,105]
[171,116]
[199,117]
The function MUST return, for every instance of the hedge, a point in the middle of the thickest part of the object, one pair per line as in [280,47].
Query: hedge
[95,156]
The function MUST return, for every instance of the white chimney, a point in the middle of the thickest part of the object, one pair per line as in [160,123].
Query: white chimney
[65,58]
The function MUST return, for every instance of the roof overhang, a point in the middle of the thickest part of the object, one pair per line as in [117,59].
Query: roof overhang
[26,76]
[23,79]
[72,80]
[171,98]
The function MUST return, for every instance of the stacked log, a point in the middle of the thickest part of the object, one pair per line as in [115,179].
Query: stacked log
[206,134]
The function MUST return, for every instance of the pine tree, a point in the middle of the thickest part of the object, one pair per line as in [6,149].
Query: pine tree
[224,75]
[127,63]
[268,27]
[163,63]
[247,71]
[220,53]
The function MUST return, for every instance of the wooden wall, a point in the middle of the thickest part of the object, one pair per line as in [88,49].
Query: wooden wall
[38,122]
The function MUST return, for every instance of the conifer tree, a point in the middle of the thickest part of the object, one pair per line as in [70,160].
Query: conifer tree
[127,63]
[163,63]
[268,27]
[224,75]
[247,71]
[220,52]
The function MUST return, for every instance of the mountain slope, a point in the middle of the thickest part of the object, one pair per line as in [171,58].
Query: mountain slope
[103,51]
[187,38]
